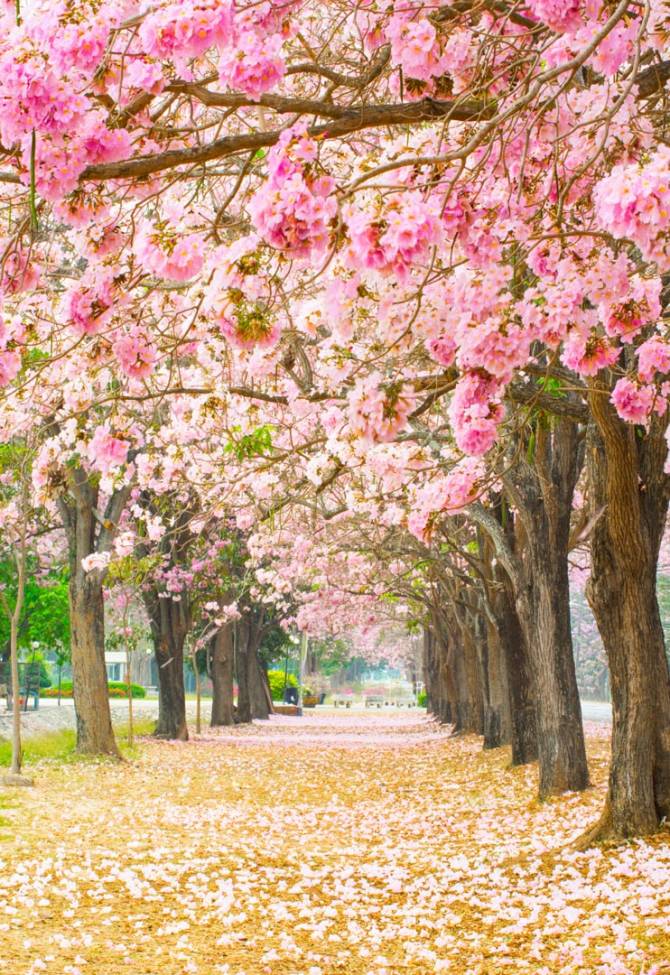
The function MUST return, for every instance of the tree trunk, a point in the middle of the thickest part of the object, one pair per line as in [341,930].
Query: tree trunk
[473,675]
[519,673]
[253,694]
[222,668]
[89,674]
[169,628]
[432,675]
[242,641]
[461,705]
[628,490]
[497,717]
[95,735]
[543,496]
[259,691]
[446,692]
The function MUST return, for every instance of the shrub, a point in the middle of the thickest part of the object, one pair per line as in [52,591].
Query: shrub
[116,688]
[276,681]
[422,699]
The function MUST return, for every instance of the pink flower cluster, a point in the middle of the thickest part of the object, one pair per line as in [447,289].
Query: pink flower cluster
[238,296]
[294,208]
[446,492]
[653,356]
[18,272]
[254,65]
[136,354]
[633,403]
[397,240]
[560,15]
[106,451]
[186,28]
[35,95]
[78,45]
[587,353]
[10,366]
[88,304]
[143,74]
[415,47]
[641,306]
[378,411]
[633,202]
[168,253]
[475,412]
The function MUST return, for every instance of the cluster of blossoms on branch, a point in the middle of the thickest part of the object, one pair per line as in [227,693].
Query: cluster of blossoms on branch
[374,261]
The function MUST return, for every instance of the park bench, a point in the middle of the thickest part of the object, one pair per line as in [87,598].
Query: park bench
[404,702]
[311,700]
[342,699]
[29,686]
[374,700]
[289,709]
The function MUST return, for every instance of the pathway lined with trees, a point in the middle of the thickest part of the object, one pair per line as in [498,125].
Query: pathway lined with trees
[371,844]
[348,320]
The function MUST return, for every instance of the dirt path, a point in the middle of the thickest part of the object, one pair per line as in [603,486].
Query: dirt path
[362,844]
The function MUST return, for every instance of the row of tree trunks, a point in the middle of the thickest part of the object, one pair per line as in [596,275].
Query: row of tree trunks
[523,639]
[510,665]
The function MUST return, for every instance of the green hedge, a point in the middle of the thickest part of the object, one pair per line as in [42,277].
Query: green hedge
[422,699]
[276,681]
[116,688]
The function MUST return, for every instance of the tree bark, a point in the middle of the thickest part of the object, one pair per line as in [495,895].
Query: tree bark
[85,536]
[472,677]
[497,716]
[431,672]
[519,673]
[89,674]
[222,669]
[169,628]
[243,713]
[542,494]
[259,691]
[628,490]
[253,694]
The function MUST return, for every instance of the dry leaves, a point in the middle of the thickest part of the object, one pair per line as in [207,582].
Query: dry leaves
[357,843]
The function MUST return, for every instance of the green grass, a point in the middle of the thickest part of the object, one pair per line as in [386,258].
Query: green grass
[60,746]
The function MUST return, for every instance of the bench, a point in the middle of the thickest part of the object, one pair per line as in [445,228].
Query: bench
[374,700]
[25,696]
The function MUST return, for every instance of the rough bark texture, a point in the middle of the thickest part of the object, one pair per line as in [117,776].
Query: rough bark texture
[253,696]
[259,690]
[519,673]
[474,672]
[86,536]
[89,674]
[628,490]
[542,493]
[222,661]
[169,627]
[171,622]
[458,689]
[497,716]
[435,671]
